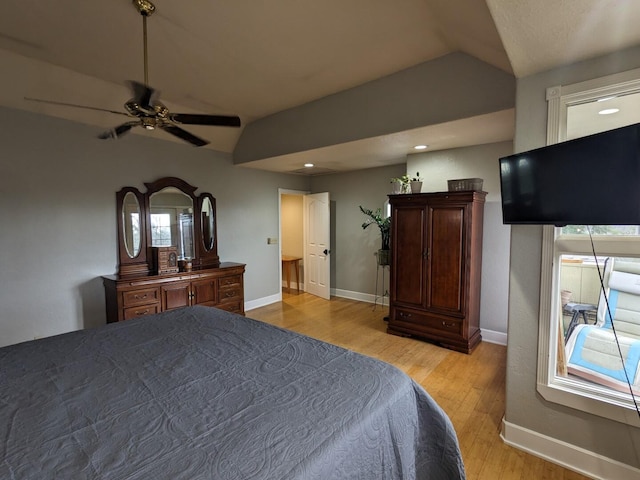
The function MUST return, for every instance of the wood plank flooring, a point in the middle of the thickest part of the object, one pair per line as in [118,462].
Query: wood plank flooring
[470,388]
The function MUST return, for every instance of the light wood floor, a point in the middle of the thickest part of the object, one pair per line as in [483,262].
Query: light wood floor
[470,388]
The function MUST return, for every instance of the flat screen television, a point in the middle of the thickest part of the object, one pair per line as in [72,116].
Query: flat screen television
[593,180]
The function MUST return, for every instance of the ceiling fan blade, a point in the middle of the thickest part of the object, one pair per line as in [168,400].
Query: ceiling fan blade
[197,119]
[75,106]
[118,131]
[143,94]
[184,135]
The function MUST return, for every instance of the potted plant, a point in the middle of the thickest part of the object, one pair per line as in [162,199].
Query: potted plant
[384,225]
[400,184]
[416,183]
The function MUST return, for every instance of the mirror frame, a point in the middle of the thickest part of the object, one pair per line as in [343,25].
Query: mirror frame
[142,264]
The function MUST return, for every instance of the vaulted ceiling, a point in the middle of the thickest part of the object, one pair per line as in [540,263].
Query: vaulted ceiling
[258,59]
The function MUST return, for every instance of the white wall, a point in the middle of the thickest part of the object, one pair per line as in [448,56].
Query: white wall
[291,225]
[477,162]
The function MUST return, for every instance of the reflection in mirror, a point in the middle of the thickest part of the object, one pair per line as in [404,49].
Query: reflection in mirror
[171,215]
[131,224]
[207,224]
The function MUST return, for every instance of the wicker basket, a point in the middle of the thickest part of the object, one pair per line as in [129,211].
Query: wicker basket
[464,184]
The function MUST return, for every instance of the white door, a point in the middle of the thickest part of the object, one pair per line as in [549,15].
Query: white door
[317,268]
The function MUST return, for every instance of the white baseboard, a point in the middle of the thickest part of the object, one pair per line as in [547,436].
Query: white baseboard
[362,297]
[491,336]
[565,454]
[261,302]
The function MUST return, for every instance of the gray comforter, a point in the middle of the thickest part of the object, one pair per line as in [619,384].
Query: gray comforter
[199,393]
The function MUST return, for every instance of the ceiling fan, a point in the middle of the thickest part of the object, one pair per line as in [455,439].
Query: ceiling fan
[146,110]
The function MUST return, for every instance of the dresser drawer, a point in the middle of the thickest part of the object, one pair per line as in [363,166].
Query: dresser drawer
[230,294]
[452,327]
[230,289]
[233,307]
[135,312]
[140,297]
[230,281]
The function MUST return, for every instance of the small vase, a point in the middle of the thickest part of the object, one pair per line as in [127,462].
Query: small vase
[396,188]
[416,187]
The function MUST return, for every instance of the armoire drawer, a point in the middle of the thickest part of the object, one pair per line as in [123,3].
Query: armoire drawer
[446,326]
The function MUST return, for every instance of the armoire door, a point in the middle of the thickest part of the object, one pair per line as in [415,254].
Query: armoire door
[409,255]
[446,255]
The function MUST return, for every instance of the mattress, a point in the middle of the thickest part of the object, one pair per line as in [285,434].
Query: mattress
[199,393]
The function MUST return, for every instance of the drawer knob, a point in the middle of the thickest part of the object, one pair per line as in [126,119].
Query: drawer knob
[139,297]
[403,314]
[230,294]
[142,312]
[448,325]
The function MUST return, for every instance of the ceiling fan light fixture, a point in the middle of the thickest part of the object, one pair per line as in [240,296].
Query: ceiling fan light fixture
[149,123]
[145,7]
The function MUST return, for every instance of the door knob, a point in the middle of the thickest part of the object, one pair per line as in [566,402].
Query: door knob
[326,252]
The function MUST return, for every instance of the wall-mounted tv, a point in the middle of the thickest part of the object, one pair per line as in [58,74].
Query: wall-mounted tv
[593,180]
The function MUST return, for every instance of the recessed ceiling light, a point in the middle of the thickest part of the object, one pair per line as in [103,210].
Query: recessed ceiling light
[420,147]
[308,165]
[608,111]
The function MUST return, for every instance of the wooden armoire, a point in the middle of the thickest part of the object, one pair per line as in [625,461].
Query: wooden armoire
[436,262]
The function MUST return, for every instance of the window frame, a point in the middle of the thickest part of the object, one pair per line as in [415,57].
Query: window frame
[567,391]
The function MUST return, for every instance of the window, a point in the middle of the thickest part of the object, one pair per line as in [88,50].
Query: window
[568,262]
[161,229]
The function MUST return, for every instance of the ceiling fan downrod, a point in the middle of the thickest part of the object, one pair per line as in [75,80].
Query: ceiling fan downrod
[146,9]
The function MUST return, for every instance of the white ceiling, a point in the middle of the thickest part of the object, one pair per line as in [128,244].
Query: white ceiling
[257,58]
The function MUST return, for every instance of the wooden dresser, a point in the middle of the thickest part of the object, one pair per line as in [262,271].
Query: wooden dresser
[436,261]
[131,297]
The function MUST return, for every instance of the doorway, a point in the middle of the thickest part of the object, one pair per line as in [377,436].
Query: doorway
[304,243]
[291,241]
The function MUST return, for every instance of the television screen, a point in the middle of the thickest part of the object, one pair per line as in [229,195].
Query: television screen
[593,180]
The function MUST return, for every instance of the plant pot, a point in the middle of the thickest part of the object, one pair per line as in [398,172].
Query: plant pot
[384,257]
[416,187]
[396,188]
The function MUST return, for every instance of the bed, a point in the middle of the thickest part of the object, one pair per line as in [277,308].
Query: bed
[199,393]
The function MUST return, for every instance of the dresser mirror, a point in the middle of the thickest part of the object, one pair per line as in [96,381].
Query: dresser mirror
[171,221]
[168,214]
[208,222]
[131,224]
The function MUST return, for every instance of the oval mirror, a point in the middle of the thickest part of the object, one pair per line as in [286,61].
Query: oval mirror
[131,224]
[171,217]
[207,224]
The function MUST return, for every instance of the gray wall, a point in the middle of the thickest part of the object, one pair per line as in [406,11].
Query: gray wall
[480,161]
[353,261]
[451,87]
[57,208]
[525,407]
[57,211]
